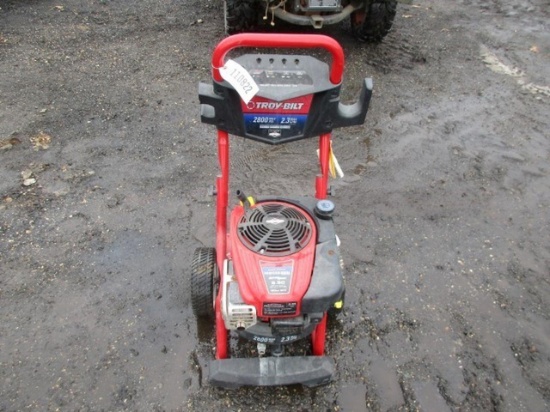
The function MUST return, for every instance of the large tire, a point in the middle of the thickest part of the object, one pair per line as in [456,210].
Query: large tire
[204,274]
[375,22]
[241,15]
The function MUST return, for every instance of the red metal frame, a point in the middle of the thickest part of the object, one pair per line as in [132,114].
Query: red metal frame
[321,182]
[222,190]
[318,337]
[267,40]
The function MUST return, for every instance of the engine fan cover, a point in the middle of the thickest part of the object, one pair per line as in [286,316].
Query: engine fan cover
[275,229]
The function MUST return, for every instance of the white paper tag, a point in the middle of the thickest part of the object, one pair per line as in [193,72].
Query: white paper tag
[238,77]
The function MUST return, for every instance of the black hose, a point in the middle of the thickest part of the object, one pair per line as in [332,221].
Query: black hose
[242,197]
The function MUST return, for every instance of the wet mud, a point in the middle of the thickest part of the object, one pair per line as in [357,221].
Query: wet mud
[442,213]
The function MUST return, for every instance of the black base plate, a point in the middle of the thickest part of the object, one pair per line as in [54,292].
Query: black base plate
[271,371]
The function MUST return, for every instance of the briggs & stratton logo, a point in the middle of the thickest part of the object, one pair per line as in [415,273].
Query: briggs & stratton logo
[275,221]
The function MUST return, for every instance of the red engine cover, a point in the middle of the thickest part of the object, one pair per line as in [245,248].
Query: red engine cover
[272,246]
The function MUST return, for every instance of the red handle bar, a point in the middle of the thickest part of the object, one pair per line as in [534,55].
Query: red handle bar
[281,41]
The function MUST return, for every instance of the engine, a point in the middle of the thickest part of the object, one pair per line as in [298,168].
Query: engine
[280,279]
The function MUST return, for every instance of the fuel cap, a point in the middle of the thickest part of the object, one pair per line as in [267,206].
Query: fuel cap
[324,209]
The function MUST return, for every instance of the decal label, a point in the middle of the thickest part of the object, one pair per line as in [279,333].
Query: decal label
[297,105]
[274,121]
[276,309]
[277,276]
[265,117]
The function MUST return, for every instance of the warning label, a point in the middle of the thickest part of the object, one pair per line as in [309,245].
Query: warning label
[277,276]
[274,309]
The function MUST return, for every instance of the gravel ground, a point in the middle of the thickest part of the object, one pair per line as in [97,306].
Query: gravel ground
[443,213]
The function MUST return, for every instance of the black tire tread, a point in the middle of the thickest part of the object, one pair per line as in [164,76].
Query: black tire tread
[241,15]
[378,21]
[203,276]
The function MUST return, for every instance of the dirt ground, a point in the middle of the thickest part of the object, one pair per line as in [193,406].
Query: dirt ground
[443,213]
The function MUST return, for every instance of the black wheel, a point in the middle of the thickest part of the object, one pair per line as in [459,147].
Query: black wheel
[375,22]
[241,15]
[204,274]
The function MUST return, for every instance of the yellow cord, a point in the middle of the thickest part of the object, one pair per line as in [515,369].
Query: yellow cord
[250,200]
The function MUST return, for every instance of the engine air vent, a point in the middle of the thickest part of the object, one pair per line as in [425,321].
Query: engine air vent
[274,229]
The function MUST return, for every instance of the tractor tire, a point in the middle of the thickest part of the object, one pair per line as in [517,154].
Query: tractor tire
[240,15]
[204,274]
[375,22]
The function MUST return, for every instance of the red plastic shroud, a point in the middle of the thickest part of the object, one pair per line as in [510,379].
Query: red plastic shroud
[248,268]
[281,41]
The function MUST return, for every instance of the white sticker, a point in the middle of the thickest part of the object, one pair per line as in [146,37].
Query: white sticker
[238,77]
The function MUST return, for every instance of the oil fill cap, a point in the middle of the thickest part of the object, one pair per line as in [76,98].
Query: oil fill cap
[324,209]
